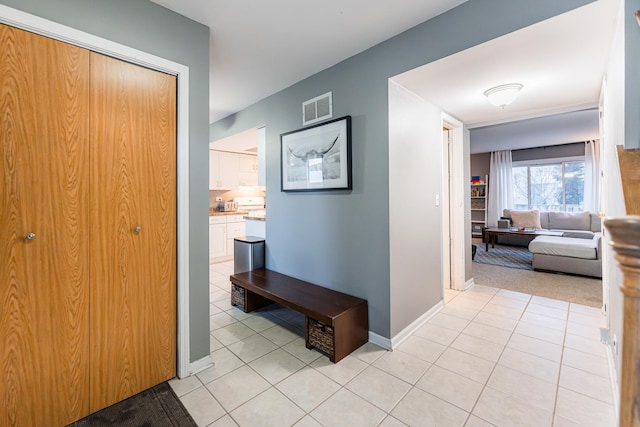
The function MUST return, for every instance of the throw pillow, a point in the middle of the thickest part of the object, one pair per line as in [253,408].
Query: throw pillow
[526,218]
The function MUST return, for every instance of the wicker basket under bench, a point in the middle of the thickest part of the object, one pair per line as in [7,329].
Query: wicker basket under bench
[335,323]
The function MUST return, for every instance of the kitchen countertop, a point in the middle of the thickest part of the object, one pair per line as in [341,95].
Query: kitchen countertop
[213,212]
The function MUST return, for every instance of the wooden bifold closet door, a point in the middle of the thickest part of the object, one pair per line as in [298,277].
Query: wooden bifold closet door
[133,214]
[87,304]
[44,189]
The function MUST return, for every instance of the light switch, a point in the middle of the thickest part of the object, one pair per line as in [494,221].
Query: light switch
[437,199]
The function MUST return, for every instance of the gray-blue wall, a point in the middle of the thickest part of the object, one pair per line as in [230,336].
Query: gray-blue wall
[341,240]
[148,27]
[632,83]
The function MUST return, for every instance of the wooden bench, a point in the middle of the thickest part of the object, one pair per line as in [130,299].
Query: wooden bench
[335,323]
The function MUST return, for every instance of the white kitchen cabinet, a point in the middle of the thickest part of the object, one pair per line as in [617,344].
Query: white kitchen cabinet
[213,173]
[224,169]
[248,170]
[222,230]
[217,236]
[235,228]
[262,137]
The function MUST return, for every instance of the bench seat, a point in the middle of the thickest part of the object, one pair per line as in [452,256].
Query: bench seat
[335,323]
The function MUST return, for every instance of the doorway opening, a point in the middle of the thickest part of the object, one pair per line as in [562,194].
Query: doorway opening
[237,192]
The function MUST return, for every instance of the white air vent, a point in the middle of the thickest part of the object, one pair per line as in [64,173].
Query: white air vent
[317,109]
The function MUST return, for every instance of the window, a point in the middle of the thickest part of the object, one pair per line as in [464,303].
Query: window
[556,186]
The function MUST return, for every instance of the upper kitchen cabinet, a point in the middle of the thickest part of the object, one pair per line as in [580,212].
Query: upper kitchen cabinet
[248,174]
[234,161]
[262,169]
[224,170]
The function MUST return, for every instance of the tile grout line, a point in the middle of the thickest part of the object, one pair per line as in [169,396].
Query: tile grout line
[564,341]
[458,333]
[306,413]
[486,383]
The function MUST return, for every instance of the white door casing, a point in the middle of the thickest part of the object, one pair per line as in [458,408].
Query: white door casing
[456,187]
[446,211]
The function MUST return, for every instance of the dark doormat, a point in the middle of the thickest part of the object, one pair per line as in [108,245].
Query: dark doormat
[158,407]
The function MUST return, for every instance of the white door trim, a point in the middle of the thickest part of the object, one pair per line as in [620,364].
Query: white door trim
[456,202]
[447,266]
[38,25]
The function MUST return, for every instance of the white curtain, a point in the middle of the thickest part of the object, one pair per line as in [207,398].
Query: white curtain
[592,176]
[500,186]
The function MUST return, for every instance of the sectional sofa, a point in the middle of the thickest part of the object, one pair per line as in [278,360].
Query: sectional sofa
[577,251]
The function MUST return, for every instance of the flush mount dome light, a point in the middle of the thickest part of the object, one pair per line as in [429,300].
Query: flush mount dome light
[503,95]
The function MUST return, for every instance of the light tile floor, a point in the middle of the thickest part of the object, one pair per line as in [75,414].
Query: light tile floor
[491,357]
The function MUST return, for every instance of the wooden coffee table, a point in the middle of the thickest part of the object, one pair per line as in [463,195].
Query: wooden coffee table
[491,233]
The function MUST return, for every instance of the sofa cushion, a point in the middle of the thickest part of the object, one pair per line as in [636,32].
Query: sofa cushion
[525,218]
[596,222]
[544,220]
[579,234]
[565,246]
[569,221]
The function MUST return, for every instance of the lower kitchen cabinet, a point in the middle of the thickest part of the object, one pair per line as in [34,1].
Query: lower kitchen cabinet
[235,228]
[222,230]
[217,236]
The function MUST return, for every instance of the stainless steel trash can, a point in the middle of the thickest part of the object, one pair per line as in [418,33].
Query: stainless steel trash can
[248,254]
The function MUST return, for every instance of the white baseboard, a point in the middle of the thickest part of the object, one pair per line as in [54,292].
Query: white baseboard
[379,340]
[200,365]
[390,344]
[469,284]
[406,332]
[615,387]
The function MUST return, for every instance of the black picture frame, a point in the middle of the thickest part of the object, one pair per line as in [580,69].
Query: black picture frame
[317,158]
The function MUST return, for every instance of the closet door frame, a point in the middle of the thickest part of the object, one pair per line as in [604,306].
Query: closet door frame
[44,27]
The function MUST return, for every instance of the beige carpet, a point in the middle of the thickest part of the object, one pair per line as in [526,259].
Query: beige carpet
[576,289]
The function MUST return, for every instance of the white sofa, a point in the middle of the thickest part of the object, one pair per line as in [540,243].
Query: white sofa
[577,251]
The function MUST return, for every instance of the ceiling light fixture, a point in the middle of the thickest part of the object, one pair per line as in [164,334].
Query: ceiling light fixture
[503,95]
[638,16]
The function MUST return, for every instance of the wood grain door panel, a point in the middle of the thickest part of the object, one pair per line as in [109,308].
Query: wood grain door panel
[44,187]
[133,274]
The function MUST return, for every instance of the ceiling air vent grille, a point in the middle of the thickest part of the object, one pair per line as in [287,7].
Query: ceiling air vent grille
[317,109]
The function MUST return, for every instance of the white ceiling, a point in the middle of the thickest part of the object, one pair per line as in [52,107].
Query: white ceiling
[261,47]
[560,62]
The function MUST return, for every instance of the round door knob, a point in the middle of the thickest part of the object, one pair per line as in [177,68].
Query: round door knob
[137,229]
[30,236]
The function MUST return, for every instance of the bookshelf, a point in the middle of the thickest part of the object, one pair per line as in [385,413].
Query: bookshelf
[479,192]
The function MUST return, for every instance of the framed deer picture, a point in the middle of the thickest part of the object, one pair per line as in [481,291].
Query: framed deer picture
[318,157]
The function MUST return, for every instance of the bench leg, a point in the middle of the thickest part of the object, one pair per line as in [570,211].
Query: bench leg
[254,301]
